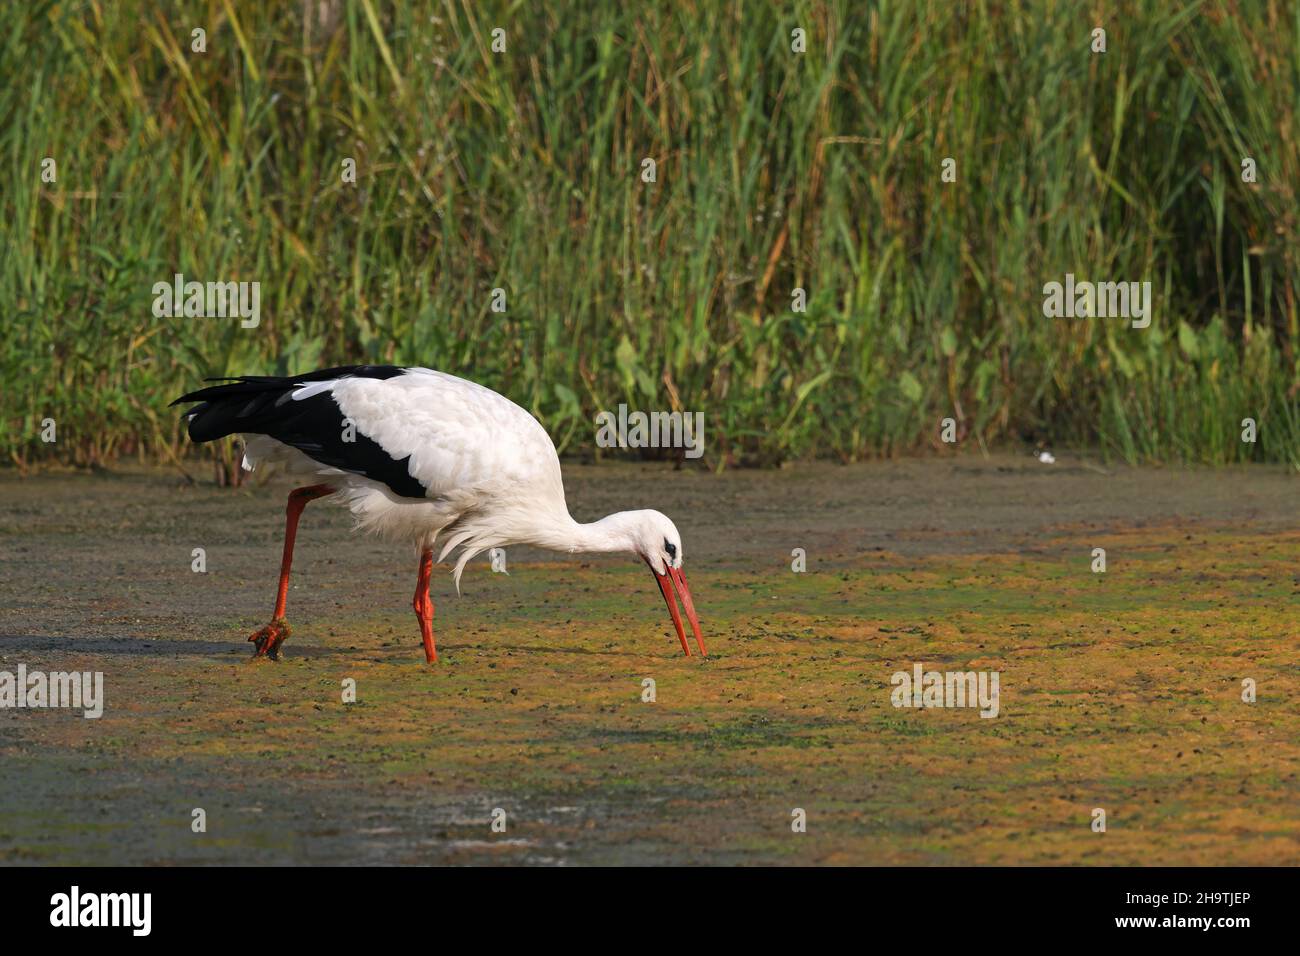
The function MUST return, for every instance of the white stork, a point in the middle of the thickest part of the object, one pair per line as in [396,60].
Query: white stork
[416,454]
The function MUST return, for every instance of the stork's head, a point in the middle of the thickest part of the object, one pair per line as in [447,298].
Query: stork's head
[655,539]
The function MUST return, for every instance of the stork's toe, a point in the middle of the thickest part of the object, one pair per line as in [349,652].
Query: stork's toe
[267,640]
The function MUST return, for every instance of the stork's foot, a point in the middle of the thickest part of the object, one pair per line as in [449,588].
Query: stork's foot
[267,641]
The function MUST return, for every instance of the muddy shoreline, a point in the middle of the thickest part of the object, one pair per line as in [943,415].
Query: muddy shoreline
[1121,689]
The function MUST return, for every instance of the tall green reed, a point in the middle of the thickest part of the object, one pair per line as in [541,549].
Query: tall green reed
[774,171]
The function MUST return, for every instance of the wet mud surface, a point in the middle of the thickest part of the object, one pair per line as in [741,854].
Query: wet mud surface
[1120,691]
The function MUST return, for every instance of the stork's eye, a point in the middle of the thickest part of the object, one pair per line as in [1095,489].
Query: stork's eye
[670,548]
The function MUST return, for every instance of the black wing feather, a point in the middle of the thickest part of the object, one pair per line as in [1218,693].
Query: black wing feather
[264,405]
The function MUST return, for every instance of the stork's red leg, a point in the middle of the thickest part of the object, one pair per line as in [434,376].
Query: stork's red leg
[423,604]
[267,641]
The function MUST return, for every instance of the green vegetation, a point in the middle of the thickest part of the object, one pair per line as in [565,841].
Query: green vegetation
[522,171]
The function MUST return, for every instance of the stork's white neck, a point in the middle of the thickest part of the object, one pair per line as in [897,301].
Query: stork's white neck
[611,533]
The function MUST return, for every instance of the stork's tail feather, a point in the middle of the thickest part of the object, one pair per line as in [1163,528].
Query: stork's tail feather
[242,405]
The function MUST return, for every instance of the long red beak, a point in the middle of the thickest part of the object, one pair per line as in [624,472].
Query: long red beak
[674,579]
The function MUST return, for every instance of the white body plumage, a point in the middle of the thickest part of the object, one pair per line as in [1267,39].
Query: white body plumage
[488,466]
